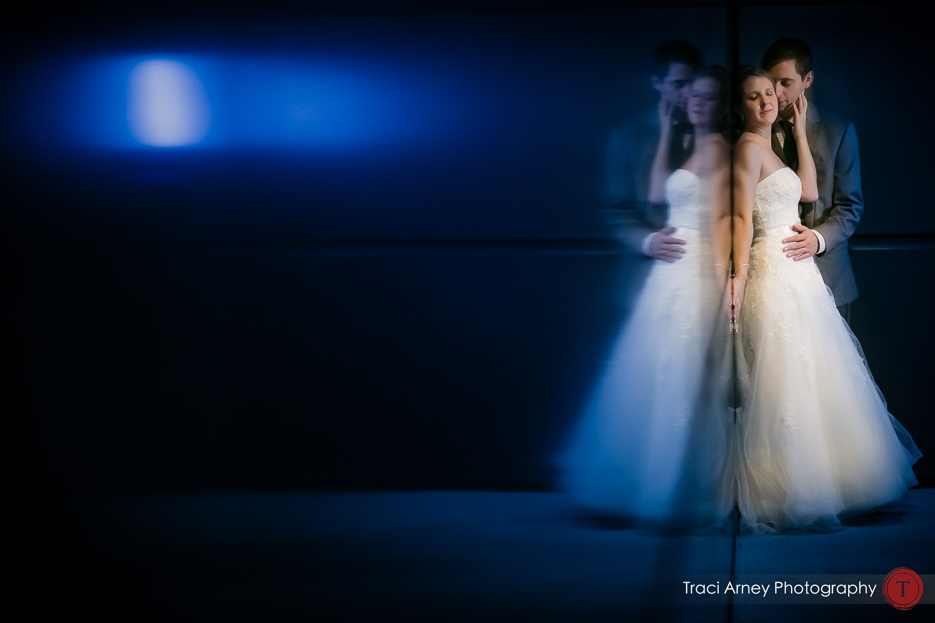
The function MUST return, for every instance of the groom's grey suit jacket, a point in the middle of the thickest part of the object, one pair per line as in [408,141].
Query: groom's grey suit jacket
[836,214]
[631,149]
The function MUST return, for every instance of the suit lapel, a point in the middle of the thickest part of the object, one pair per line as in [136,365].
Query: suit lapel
[812,127]
[812,130]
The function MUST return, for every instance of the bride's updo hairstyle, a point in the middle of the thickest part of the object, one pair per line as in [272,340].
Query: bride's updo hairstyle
[744,73]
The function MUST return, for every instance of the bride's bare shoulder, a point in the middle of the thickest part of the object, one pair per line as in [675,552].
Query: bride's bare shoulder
[748,142]
[748,153]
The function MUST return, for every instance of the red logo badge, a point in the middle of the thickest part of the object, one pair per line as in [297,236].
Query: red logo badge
[902,588]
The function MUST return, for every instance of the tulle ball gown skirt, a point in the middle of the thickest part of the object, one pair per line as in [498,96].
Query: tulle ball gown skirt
[653,441]
[815,440]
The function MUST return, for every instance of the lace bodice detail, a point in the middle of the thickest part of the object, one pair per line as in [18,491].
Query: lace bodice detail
[777,201]
[687,197]
[774,276]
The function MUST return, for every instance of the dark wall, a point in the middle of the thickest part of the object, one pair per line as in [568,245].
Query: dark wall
[428,310]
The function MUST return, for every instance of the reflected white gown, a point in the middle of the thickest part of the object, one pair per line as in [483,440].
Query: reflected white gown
[816,442]
[652,442]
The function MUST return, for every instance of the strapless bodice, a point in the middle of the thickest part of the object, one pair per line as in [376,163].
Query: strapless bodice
[777,202]
[687,197]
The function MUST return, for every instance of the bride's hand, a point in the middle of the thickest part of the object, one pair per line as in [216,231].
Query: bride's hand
[722,281]
[799,108]
[737,285]
[729,301]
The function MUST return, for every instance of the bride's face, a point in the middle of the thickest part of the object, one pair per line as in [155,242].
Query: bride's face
[704,103]
[760,105]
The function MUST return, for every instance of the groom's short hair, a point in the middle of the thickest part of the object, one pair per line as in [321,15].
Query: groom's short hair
[789,49]
[676,51]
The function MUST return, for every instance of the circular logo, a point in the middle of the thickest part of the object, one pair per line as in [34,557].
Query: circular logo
[902,588]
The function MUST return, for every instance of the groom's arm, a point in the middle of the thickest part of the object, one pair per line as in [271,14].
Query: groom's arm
[629,156]
[625,203]
[847,201]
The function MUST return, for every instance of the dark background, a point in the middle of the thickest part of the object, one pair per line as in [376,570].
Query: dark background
[427,314]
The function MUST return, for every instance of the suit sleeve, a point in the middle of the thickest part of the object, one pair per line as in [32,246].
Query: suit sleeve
[625,212]
[847,201]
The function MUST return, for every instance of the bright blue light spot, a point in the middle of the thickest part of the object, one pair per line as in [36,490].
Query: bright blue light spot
[167,105]
[222,101]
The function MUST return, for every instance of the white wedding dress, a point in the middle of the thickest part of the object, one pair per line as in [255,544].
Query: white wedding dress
[653,440]
[815,440]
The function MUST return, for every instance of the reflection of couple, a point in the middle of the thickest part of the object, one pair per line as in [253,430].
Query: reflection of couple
[813,441]
[652,440]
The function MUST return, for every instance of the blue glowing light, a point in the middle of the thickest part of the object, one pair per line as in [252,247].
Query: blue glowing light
[224,101]
[167,105]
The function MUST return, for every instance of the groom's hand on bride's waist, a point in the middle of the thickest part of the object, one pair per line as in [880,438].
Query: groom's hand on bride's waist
[802,245]
[662,246]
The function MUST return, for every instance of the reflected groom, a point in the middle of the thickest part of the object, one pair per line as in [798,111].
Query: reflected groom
[632,148]
[826,224]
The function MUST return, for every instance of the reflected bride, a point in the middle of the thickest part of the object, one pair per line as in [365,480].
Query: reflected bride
[652,444]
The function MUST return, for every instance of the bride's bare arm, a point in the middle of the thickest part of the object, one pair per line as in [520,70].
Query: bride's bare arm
[721,207]
[806,171]
[747,164]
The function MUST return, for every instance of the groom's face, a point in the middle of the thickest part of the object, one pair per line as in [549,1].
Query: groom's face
[789,85]
[675,86]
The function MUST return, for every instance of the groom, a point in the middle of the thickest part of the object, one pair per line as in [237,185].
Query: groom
[828,223]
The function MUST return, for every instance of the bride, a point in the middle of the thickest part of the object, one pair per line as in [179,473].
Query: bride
[815,440]
[652,441]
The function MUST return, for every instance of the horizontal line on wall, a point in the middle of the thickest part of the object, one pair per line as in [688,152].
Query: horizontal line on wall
[897,242]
